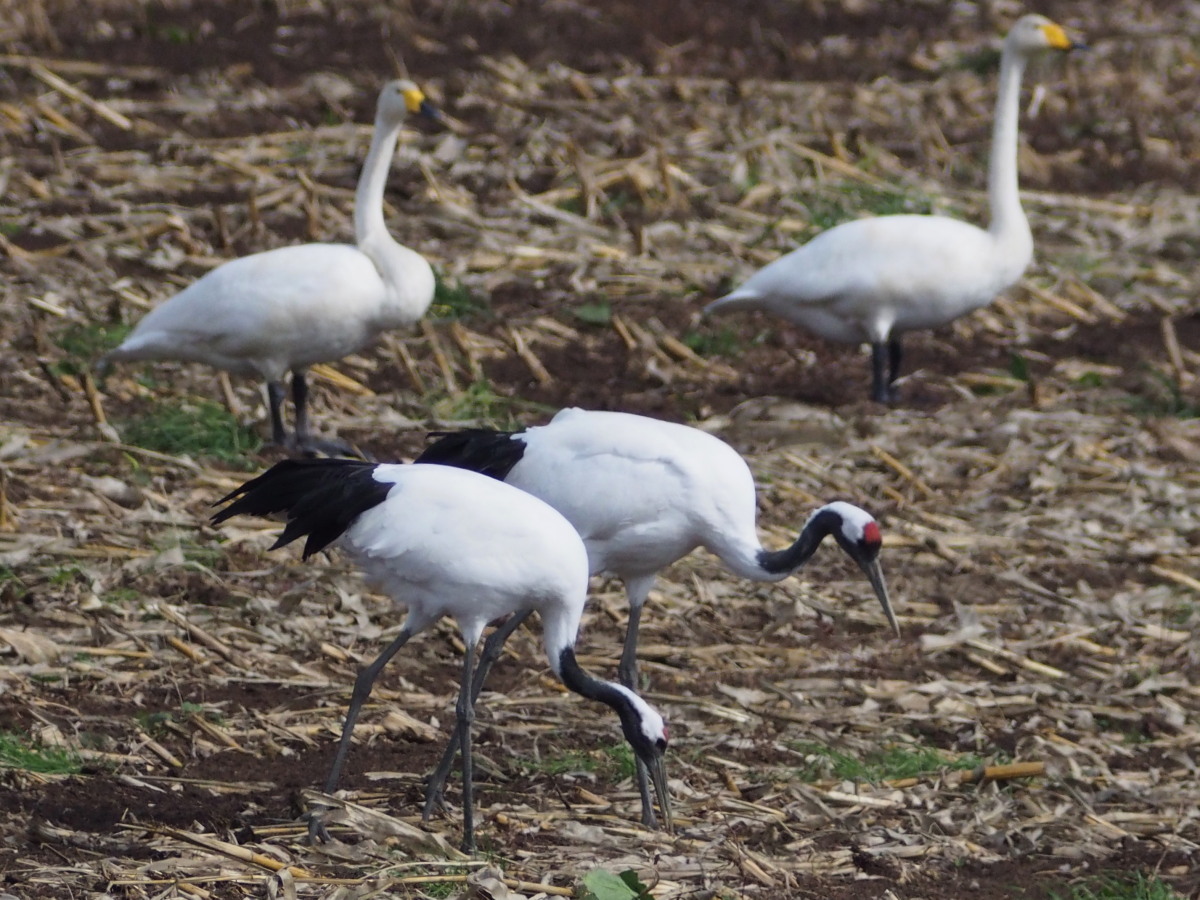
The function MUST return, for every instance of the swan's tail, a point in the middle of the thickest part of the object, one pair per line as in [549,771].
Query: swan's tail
[741,299]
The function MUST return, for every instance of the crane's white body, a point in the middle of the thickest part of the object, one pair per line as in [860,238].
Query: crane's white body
[874,279]
[642,492]
[449,542]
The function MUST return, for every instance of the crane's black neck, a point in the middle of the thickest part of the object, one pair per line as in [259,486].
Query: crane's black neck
[579,681]
[620,699]
[789,559]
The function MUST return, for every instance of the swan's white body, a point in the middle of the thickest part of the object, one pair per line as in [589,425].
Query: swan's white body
[870,279]
[269,313]
[286,309]
[449,542]
[874,279]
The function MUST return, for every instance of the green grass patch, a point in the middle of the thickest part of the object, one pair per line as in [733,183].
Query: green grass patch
[1132,733]
[1181,614]
[85,344]
[1018,366]
[985,61]
[1134,886]
[620,757]
[61,575]
[19,752]
[561,763]
[452,300]
[196,428]
[601,884]
[594,313]
[479,402]
[618,200]
[613,762]
[851,200]
[206,555]
[573,205]
[1163,397]
[120,596]
[12,586]
[158,722]
[897,761]
[723,342]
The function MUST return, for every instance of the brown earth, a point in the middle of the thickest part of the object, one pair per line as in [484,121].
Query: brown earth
[614,166]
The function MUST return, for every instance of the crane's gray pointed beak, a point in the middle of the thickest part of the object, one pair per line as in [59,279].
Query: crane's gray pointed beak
[875,576]
[657,768]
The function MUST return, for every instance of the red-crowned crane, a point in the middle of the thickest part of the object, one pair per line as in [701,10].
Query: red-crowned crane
[871,280]
[292,307]
[644,493]
[449,542]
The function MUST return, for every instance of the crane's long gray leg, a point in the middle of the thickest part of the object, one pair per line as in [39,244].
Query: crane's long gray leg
[305,442]
[275,394]
[362,690]
[466,715]
[637,589]
[492,648]
[894,358]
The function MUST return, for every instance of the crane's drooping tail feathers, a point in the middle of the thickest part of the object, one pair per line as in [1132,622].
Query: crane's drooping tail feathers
[491,453]
[320,497]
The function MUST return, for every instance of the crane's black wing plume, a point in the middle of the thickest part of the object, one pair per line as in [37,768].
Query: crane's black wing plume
[320,497]
[491,453]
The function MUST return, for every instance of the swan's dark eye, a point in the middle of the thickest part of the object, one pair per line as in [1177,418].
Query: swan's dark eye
[661,743]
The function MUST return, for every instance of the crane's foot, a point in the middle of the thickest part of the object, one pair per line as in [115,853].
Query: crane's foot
[317,832]
[888,396]
[435,802]
[308,445]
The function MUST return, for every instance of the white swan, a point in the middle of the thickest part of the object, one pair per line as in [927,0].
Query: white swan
[874,279]
[289,308]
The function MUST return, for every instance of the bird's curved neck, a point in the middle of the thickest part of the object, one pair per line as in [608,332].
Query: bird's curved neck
[779,563]
[1008,223]
[369,226]
[579,681]
[407,277]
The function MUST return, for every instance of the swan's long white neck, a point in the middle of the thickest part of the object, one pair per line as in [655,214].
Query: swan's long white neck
[1008,225]
[406,274]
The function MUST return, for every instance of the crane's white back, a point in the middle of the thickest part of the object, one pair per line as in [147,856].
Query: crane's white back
[452,542]
[639,490]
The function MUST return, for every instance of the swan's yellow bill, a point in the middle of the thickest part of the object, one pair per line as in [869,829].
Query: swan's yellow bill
[1056,37]
[413,98]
